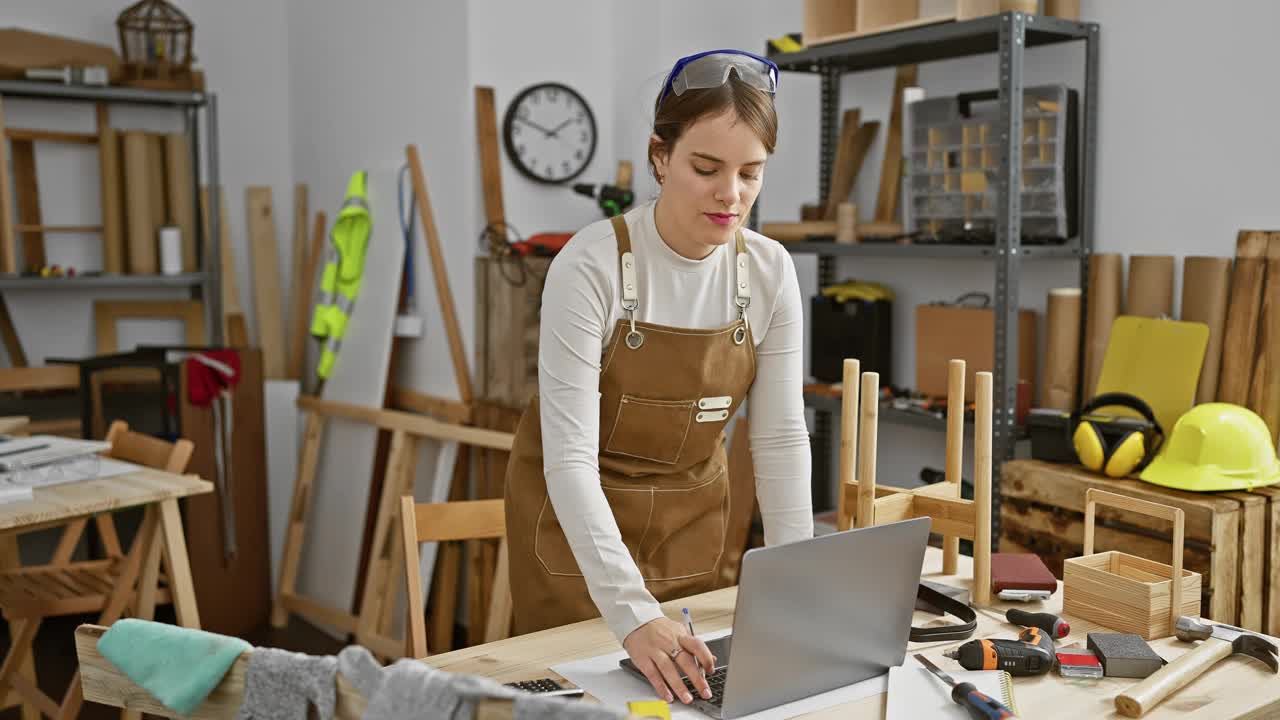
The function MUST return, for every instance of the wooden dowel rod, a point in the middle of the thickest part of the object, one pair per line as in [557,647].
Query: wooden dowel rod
[955,453]
[869,423]
[848,436]
[982,489]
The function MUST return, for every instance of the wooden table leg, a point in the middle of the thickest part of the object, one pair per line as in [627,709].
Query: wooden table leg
[9,559]
[175,554]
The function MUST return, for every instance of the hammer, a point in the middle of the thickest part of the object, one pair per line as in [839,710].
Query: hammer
[1219,642]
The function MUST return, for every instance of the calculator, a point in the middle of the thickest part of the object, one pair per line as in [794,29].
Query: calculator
[547,686]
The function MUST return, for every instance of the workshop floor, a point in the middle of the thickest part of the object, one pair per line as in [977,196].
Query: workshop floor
[55,653]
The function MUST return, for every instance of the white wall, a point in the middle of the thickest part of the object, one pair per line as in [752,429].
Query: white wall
[242,48]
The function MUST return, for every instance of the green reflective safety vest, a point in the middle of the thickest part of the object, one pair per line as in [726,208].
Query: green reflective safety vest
[343,272]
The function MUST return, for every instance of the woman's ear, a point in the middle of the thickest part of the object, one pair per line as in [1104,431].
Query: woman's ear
[659,157]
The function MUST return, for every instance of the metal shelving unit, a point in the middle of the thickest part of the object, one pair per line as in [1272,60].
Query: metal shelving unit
[1008,35]
[205,285]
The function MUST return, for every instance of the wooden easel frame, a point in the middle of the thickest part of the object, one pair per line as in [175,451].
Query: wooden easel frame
[863,504]
[372,625]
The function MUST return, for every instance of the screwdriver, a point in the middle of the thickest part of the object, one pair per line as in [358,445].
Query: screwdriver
[966,695]
[1048,622]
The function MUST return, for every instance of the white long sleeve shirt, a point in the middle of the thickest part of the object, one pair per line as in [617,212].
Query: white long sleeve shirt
[581,305]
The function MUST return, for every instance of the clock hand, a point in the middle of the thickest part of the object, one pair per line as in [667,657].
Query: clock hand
[536,125]
[554,133]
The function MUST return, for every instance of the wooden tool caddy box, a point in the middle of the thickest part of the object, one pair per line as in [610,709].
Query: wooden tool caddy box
[1232,539]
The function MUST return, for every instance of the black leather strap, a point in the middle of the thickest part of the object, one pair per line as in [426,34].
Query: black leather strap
[950,606]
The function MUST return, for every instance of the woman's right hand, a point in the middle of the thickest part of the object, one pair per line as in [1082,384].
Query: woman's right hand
[651,646]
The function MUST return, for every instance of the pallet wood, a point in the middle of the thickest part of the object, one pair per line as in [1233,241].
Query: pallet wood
[264,251]
[8,252]
[891,167]
[1264,392]
[508,318]
[1241,335]
[1043,504]
[1271,546]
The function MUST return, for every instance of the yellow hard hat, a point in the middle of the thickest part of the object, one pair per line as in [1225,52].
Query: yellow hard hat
[1216,446]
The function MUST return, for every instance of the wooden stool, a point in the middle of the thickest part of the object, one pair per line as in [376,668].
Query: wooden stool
[862,504]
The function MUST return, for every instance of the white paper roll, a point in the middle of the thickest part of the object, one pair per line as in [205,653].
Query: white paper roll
[170,250]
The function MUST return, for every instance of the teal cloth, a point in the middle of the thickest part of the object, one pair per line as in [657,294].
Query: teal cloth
[178,666]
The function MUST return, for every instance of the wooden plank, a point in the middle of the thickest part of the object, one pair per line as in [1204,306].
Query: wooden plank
[8,252]
[304,287]
[414,424]
[443,409]
[156,185]
[508,302]
[445,581]
[300,506]
[139,217]
[384,534]
[265,253]
[30,135]
[1271,545]
[891,168]
[1253,560]
[460,520]
[111,187]
[27,189]
[13,345]
[441,275]
[180,191]
[490,162]
[842,171]
[299,298]
[878,14]
[1241,335]
[1264,393]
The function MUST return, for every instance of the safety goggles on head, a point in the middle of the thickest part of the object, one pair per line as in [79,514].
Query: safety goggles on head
[711,69]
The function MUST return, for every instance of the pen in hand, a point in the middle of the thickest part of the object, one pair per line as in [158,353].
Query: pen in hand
[688,621]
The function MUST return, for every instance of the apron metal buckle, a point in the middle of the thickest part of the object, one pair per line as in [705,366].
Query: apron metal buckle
[635,338]
[740,335]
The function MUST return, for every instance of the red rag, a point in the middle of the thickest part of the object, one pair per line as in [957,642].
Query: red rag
[205,382]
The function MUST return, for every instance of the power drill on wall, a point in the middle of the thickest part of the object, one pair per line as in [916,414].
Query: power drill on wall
[613,200]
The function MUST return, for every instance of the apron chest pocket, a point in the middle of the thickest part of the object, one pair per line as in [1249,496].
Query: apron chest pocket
[651,429]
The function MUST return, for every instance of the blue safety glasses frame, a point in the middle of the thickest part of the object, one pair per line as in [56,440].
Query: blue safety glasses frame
[711,69]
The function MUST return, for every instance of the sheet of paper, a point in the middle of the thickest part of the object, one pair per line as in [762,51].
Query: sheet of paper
[601,677]
[16,486]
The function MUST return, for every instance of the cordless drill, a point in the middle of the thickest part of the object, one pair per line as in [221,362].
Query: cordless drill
[1031,654]
[613,200]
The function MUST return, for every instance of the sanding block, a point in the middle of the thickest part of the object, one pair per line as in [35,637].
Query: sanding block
[1020,571]
[1124,654]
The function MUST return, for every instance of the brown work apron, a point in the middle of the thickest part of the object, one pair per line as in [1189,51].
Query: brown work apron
[666,394]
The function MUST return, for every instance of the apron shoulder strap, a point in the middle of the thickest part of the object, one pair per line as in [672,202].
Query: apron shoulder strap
[742,278]
[627,263]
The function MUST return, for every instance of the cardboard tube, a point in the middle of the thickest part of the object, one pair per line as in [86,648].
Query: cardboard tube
[155,176]
[181,191]
[137,192]
[112,220]
[1062,351]
[1105,278]
[1150,286]
[1206,285]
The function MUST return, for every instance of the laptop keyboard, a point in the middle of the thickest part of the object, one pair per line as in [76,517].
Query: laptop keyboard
[716,682]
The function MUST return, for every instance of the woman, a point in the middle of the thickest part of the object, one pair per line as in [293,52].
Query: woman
[656,326]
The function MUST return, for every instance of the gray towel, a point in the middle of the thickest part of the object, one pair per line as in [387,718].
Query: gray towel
[279,684]
[412,689]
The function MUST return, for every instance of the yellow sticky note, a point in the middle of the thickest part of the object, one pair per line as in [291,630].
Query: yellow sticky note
[650,708]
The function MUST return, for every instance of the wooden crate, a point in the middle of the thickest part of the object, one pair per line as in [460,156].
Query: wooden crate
[1042,511]
[1271,549]
[508,311]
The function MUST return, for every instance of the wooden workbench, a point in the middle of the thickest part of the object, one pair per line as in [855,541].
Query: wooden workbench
[1234,688]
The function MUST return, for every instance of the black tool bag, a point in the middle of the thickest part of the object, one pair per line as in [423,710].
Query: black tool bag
[860,329]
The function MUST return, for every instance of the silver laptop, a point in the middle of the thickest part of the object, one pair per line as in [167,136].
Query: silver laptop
[815,615]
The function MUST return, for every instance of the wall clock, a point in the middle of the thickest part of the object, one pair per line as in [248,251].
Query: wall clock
[549,133]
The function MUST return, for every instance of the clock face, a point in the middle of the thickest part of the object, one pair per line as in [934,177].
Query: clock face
[550,133]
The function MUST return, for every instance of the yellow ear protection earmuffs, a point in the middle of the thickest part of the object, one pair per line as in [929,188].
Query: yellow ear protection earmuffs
[1115,445]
